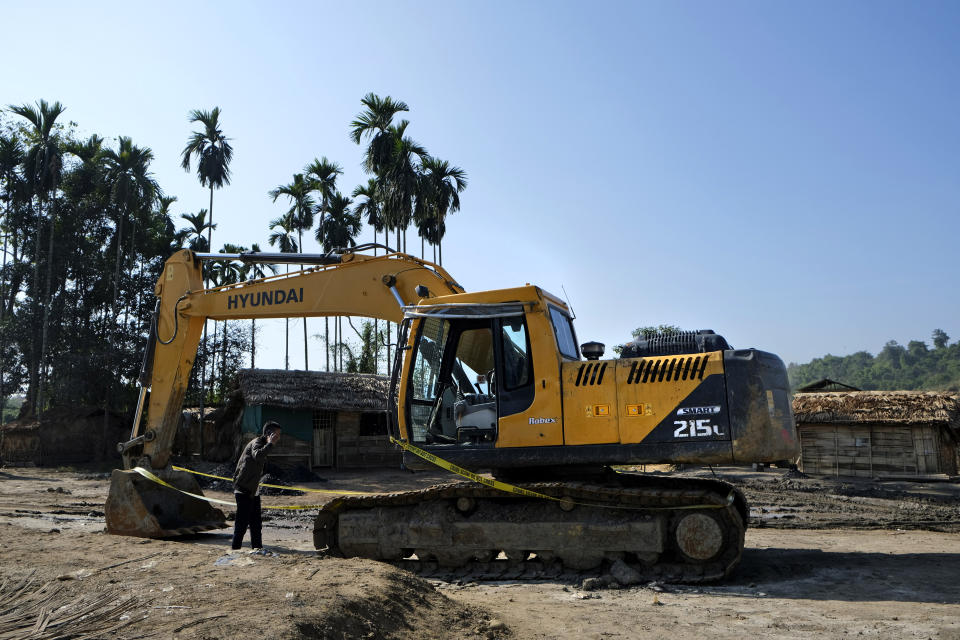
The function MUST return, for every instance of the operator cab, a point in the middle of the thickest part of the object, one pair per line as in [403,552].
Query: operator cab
[471,365]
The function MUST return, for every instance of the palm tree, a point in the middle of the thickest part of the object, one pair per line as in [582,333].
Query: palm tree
[43,165]
[385,159]
[255,271]
[132,189]
[282,237]
[163,218]
[442,185]
[301,203]
[342,224]
[341,227]
[301,212]
[194,233]
[401,179]
[322,175]
[213,153]
[374,124]
[370,208]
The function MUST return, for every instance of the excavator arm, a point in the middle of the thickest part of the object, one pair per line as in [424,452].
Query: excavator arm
[349,284]
[334,284]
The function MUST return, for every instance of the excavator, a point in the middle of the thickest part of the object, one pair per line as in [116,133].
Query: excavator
[494,382]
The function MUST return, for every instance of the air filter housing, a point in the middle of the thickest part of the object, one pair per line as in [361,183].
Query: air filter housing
[700,341]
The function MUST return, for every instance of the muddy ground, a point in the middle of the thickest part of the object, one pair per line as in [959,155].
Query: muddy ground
[824,558]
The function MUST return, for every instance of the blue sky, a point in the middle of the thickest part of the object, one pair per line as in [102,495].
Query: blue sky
[786,174]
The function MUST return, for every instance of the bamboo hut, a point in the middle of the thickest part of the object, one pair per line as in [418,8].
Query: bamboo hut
[63,436]
[878,433]
[329,419]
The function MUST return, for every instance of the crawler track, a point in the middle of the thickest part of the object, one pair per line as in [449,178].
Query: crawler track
[678,530]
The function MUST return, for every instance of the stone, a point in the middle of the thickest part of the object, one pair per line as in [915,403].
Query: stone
[624,574]
[592,584]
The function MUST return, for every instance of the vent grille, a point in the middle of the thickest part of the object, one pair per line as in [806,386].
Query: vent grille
[591,374]
[652,370]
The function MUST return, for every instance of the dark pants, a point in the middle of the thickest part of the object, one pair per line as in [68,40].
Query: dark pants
[248,515]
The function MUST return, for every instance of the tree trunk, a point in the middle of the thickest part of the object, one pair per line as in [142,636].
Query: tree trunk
[306,360]
[3,279]
[46,296]
[203,370]
[3,268]
[253,343]
[116,264]
[210,228]
[286,357]
[326,321]
[30,407]
[213,361]
[223,364]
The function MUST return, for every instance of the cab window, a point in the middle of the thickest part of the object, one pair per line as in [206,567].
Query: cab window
[516,353]
[563,329]
[426,373]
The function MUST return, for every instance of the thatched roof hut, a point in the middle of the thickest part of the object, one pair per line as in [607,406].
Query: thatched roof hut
[888,407]
[879,433]
[314,390]
[328,419]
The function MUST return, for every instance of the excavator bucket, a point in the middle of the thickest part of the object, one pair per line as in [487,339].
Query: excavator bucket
[138,506]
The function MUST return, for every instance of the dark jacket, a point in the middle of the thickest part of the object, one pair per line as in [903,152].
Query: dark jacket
[246,479]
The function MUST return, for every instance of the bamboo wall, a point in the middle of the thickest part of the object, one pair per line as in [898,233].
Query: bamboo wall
[357,447]
[871,450]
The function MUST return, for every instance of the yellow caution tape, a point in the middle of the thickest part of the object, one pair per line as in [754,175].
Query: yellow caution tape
[279,486]
[520,491]
[151,476]
[466,473]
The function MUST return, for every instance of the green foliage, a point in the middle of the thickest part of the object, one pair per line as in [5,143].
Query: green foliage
[653,332]
[409,186]
[11,409]
[361,355]
[100,233]
[914,367]
[650,332]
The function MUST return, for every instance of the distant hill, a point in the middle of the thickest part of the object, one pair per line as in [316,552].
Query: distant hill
[915,366]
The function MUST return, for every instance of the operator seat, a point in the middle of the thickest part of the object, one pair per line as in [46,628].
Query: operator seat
[476,417]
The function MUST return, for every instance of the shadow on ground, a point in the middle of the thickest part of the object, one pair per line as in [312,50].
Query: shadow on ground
[812,574]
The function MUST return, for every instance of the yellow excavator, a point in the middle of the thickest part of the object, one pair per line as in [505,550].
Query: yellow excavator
[491,381]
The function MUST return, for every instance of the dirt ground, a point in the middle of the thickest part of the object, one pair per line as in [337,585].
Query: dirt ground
[824,557]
